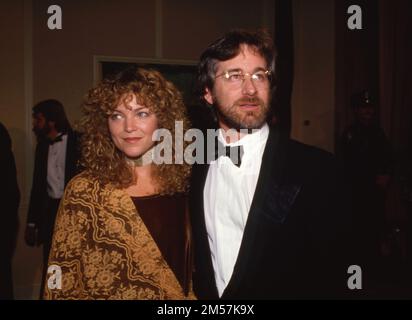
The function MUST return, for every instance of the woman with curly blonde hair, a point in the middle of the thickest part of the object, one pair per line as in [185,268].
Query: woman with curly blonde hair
[122,230]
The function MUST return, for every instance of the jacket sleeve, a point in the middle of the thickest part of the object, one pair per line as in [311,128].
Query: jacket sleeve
[36,194]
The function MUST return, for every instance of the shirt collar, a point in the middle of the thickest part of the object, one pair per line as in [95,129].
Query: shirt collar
[249,141]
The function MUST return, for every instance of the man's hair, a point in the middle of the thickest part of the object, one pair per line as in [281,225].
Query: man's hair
[229,47]
[53,110]
[100,156]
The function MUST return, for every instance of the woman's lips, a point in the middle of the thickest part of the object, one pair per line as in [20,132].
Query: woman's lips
[131,140]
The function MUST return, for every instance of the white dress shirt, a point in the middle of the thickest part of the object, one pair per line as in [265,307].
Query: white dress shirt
[56,164]
[228,195]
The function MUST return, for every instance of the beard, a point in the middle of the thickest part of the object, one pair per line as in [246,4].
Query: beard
[238,119]
[41,133]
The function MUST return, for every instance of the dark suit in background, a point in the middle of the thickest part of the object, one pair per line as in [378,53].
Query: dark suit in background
[9,204]
[43,209]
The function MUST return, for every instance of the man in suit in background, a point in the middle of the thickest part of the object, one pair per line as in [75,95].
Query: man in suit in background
[268,223]
[9,205]
[56,159]
[368,163]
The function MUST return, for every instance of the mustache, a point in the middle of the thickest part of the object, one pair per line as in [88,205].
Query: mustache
[249,100]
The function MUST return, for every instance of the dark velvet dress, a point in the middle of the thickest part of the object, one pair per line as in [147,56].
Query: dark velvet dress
[167,220]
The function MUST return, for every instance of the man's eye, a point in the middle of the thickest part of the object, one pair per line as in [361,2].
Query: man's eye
[259,76]
[234,76]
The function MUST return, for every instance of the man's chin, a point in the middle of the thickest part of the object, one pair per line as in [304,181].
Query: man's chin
[252,121]
[39,135]
[244,119]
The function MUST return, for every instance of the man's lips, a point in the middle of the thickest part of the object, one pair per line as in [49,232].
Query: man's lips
[249,106]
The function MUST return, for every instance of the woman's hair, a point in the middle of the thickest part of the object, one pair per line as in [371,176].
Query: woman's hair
[100,156]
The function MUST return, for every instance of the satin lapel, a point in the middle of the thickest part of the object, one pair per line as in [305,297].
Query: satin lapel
[271,168]
[41,173]
[71,156]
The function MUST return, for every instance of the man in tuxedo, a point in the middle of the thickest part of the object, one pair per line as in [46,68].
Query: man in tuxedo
[9,200]
[56,159]
[269,223]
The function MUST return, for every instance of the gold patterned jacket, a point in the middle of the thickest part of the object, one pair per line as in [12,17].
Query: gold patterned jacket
[104,250]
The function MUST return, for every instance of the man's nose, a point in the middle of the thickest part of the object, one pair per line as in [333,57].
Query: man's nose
[248,86]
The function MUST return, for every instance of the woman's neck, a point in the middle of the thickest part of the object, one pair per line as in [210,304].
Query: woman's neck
[145,183]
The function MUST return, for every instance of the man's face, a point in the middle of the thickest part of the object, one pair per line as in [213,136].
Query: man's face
[40,126]
[365,114]
[243,104]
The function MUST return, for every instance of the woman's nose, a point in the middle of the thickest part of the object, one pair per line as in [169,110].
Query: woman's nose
[130,124]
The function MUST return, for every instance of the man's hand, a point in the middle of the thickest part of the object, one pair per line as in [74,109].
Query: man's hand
[30,235]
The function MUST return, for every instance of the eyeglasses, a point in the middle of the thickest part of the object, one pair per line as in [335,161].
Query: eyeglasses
[237,77]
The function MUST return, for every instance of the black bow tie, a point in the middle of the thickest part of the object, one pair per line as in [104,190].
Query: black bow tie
[234,153]
[57,139]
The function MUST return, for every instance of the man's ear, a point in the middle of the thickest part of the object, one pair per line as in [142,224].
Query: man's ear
[51,124]
[208,96]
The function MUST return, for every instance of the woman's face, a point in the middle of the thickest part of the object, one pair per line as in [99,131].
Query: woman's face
[131,126]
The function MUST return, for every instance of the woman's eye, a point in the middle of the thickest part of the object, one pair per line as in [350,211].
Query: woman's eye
[116,116]
[142,114]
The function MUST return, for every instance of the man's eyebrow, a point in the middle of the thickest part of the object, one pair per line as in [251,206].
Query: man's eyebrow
[235,69]
[260,69]
[241,70]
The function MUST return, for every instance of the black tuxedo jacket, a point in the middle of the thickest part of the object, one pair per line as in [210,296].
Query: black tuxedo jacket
[295,241]
[38,197]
